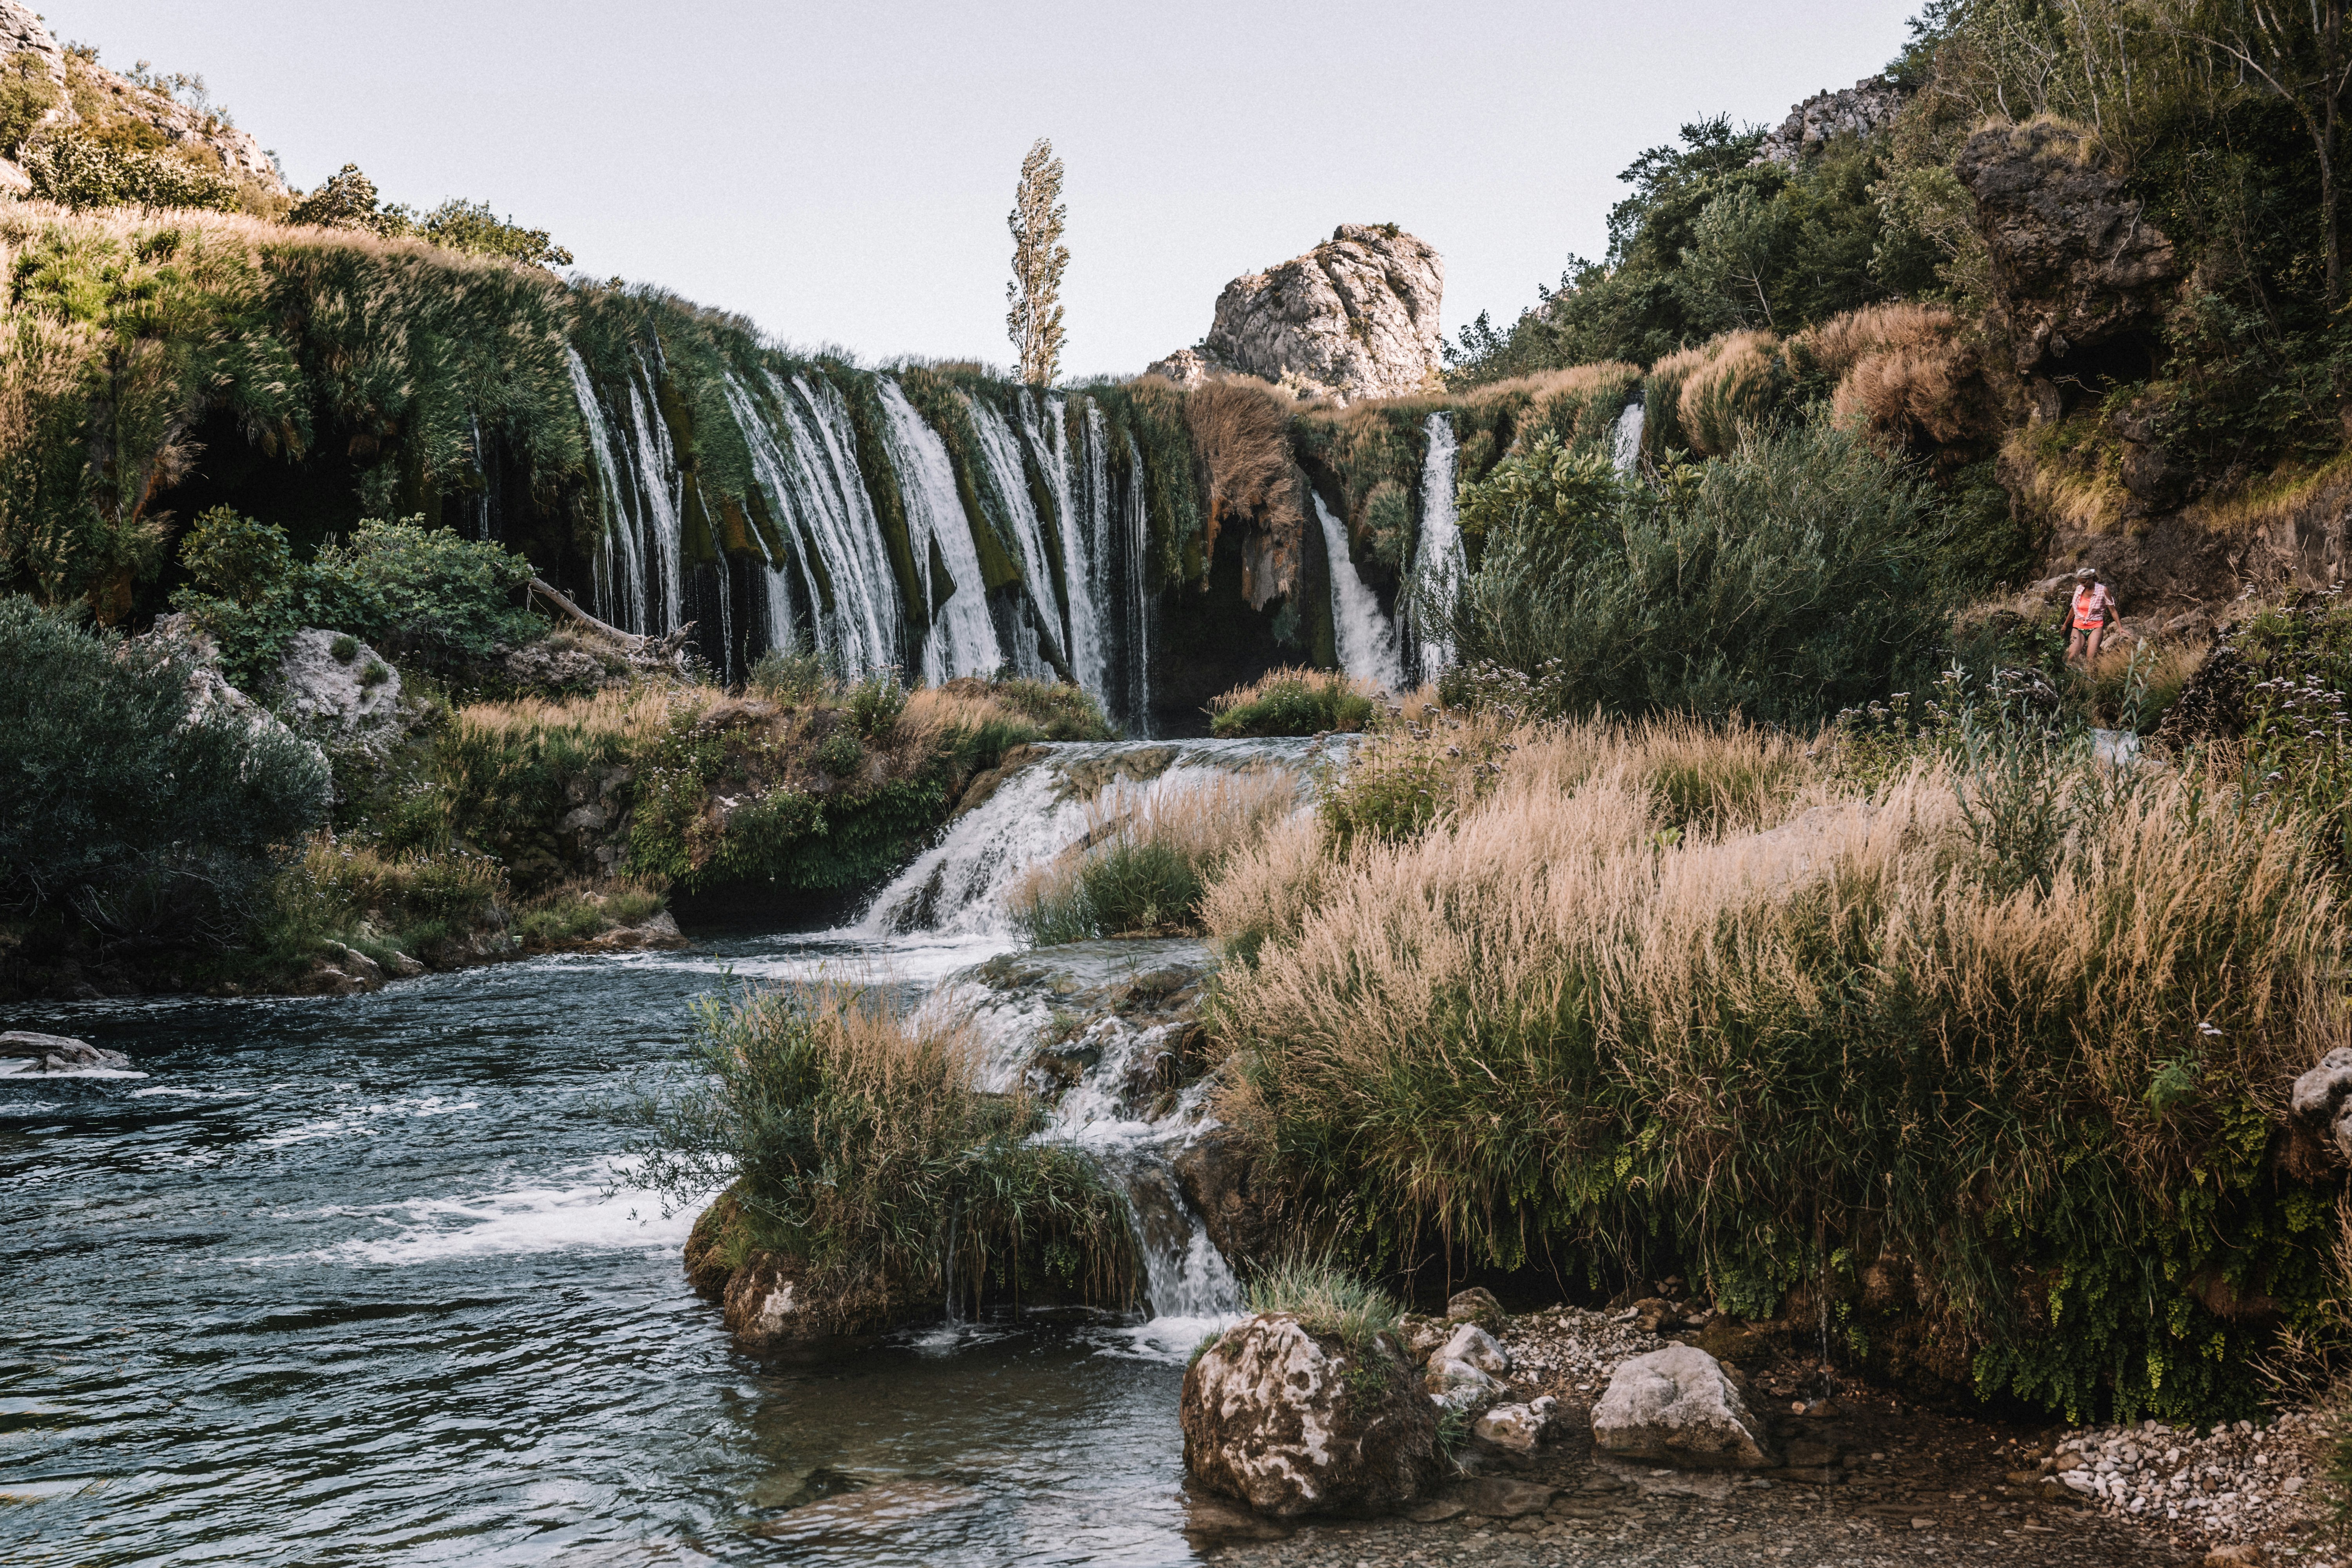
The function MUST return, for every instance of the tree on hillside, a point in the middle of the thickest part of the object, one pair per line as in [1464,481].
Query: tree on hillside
[348,200]
[472,226]
[1039,258]
[2299,52]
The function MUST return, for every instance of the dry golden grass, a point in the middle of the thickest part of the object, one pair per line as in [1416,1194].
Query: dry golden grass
[635,715]
[1731,389]
[1835,346]
[1240,433]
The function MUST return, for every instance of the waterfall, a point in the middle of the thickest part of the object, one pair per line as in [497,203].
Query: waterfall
[958,886]
[1135,560]
[1438,562]
[661,487]
[1367,643]
[963,639]
[1051,498]
[1625,447]
[1081,532]
[619,546]
[1106,1099]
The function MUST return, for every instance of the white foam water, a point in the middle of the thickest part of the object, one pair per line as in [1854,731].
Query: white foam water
[1625,447]
[1438,562]
[1368,642]
[589,1214]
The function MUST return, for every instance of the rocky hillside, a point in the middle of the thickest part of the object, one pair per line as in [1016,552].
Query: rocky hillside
[117,110]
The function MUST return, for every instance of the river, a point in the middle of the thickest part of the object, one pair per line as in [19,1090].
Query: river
[351,1280]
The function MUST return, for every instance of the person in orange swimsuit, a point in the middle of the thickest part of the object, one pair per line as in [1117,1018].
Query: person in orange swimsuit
[2087,617]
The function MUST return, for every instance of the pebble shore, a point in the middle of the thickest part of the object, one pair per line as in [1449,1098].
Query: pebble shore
[1870,1483]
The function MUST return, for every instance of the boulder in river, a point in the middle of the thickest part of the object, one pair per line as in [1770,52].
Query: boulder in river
[1293,1421]
[1676,1406]
[22,1051]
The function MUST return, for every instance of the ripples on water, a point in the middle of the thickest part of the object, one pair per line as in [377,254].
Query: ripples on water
[342,1280]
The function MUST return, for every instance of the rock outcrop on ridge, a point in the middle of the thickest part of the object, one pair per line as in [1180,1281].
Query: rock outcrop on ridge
[1863,109]
[238,153]
[1355,317]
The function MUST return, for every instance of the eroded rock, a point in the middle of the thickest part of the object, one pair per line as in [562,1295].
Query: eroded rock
[1516,1429]
[1355,317]
[1476,1304]
[23,1051]
[2078,270]
[2323,1099]
[336,685]
[1293,1422]
[1676,1406]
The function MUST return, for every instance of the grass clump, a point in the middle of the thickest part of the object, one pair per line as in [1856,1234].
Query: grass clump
[2015,1025]
[863,1143]
[1327,1300]
[1293,702]
[1145,862]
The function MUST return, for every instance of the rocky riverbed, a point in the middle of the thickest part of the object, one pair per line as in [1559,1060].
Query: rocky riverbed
[1865,1479]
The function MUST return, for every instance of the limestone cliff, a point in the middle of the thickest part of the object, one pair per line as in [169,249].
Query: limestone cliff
[1355,317]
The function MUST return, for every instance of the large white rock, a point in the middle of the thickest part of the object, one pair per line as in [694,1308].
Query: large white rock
[357,698]
[1294,1421]
[1355,317]
[1675,1406]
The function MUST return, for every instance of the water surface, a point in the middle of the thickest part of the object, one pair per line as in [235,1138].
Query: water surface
[346,1281]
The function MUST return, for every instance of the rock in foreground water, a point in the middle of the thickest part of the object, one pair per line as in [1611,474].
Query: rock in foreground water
[22,1051]
[1294,1421]
[1675,1406]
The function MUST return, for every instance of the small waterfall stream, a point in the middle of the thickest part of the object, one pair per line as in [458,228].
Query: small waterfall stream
[1438,562]
[1625,447]
[1367,639]
[1110,1101]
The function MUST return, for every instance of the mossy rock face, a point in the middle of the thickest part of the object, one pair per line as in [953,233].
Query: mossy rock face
[710,1259]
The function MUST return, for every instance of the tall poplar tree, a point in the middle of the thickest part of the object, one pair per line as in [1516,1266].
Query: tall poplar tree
[1039,258]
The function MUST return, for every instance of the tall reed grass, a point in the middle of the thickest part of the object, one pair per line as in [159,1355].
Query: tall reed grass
[1805,1029]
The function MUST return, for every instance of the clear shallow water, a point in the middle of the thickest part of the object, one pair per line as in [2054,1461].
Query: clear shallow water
[340,1280]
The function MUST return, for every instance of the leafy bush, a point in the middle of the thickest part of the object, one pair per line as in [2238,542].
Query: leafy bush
[139,814]
[473,226]
[1292,702]
[427,593]
[1797,576]
[796,674]
[78,171]
[347,199]
[863,1143]
[875,704]
[26,95]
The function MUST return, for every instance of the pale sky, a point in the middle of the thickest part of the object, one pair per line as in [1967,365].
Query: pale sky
[841,173]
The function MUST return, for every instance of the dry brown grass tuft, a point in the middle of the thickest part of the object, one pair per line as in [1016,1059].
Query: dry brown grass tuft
[1240,433]
[637,715]
[1731,389]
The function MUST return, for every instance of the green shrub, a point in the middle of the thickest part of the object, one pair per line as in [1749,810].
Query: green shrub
[124,806]
[75,170]
[874,705]
[1800,575]
[1292,702]
[864,1145]
[794,674]
[345,649]
[473,226]
[840,753]
[27,94]
[426,593]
